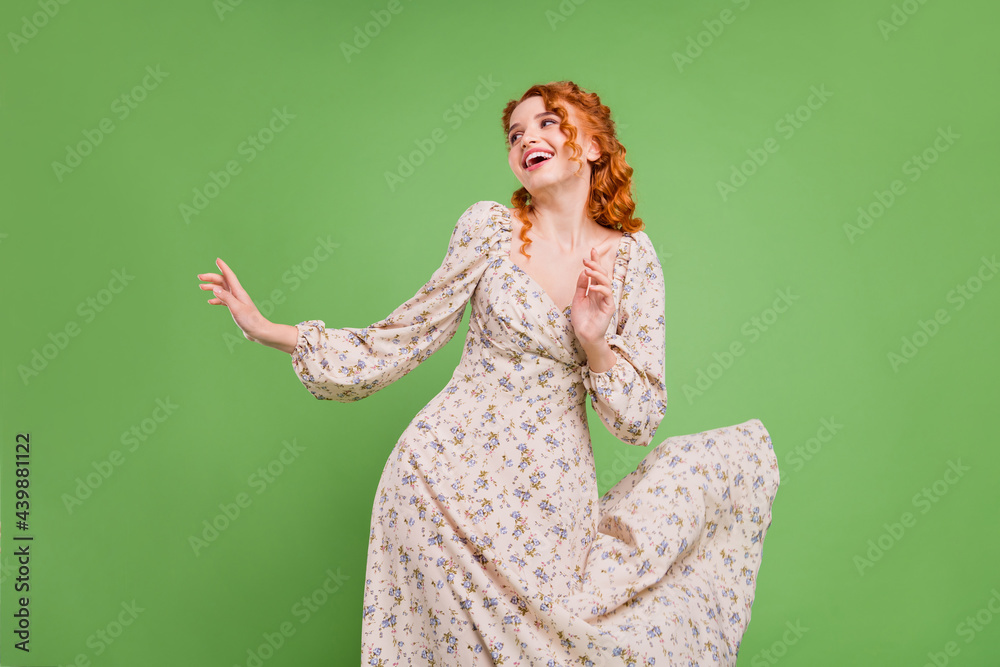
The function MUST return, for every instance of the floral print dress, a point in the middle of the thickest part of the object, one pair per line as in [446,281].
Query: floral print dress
[489,544]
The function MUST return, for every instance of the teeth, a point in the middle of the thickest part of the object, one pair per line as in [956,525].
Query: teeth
[532,154]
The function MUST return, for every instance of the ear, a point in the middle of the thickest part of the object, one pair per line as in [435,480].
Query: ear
[594,151]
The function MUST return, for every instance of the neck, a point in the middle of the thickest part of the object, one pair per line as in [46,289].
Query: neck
[563,219]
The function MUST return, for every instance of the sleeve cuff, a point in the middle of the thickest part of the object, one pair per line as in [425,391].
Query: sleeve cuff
[307,341]
[602,384]
[304,355]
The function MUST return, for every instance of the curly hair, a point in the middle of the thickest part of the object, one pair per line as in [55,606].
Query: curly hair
[610,201]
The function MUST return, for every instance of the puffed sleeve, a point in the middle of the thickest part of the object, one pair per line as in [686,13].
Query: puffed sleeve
[631,396]
[349,364]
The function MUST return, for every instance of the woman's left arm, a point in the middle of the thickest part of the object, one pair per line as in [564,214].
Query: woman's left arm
[631,397]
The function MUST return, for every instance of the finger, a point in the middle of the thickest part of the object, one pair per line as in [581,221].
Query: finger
[606,297]
[597,266]
[595,254]
[211,281]
[598,276]
[234,284]
[600,289]
[594,272]
[221,295]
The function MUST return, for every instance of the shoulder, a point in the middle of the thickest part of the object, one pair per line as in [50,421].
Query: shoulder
[643,246]
[644,261]
[485,218]
[478,226]
[486,213]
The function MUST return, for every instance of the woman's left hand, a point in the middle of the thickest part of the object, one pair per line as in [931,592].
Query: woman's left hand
[591,312]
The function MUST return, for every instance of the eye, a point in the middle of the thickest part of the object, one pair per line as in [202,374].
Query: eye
[513,136]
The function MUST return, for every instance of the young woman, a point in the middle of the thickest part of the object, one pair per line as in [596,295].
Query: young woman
[489,543]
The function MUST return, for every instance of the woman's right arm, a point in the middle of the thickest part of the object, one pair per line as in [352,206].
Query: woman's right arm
[348,364]
[279,336]
[255,327]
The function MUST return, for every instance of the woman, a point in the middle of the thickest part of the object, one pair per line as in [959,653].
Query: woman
[489,543]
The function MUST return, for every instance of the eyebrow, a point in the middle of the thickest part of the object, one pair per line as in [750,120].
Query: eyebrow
[544,113]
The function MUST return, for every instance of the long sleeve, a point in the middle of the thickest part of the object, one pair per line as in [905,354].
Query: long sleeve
[631,397]
[349,364]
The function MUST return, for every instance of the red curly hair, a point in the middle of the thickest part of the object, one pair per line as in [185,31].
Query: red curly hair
[610,201]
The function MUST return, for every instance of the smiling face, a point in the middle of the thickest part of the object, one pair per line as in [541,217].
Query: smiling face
[538,152]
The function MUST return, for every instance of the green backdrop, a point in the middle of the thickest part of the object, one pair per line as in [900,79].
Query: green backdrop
[815,178]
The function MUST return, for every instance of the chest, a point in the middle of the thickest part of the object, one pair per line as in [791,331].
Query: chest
[558,273]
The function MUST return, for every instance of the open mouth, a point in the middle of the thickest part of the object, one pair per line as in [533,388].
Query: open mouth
[535,158]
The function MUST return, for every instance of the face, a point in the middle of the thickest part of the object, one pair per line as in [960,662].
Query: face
[533,128]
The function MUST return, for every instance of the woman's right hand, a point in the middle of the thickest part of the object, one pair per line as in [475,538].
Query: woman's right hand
[229,292]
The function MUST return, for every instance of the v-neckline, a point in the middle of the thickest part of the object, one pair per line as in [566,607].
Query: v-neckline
[541,290]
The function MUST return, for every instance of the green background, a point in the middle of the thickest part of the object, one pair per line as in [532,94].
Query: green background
[687,125]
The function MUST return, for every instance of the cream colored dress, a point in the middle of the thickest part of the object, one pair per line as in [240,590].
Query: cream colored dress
[489,543]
